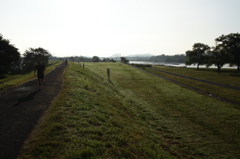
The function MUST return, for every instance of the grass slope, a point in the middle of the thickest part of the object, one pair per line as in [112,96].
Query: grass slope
[135,115]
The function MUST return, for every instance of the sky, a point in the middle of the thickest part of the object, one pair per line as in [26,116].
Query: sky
[106,27]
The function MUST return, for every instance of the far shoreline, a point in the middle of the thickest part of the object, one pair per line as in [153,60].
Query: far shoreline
[175,64]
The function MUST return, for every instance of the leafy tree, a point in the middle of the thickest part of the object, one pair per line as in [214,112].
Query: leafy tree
[74,58]
[106,60]
[218,56]
[198,55]
[9,55]
[81,58]
[33,55]
[168,59]
[96,59]
[124,60]
[231,44]
[179,58]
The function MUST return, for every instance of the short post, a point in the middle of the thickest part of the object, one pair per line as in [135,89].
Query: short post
[83,65]
[108,73]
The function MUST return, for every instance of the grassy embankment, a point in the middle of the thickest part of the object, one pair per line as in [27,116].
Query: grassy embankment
[227,76]
[135,115]
[15,80]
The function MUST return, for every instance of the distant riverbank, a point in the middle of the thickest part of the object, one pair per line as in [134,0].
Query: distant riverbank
[175,64]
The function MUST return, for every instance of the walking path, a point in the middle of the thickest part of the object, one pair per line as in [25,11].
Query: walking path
[21,107]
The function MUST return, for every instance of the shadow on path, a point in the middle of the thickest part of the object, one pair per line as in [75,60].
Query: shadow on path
[20,109]
[27,98]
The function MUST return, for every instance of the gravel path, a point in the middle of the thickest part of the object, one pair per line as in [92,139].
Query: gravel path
[20,109]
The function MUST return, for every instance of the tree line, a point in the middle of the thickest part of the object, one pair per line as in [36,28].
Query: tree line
[226,50]
[88,59]
[9,55]
[178,58]
[11,61]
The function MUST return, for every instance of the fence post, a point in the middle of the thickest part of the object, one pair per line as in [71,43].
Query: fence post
[108,73]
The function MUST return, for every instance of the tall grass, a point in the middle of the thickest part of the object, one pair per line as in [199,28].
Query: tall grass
[134,115]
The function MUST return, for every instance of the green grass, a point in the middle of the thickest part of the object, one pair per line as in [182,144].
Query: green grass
[15,80]
[134,115]
[228,76]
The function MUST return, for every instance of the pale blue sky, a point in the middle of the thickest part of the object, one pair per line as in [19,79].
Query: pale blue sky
[106,27]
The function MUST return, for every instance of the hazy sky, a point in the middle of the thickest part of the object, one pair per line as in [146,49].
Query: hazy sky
[106,27]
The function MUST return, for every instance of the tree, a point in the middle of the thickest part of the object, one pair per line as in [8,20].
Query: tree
[9,55]
[33,55]
[168,59]
[95,59]
[231,44]
[124,60]
[198,55]
[218,56]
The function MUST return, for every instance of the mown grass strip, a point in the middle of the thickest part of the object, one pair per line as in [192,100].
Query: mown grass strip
[227,76]
[212,89]
[135,115]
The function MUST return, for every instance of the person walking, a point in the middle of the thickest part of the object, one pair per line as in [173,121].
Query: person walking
[40,68]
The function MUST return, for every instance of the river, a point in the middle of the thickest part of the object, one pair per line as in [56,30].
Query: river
[174,64]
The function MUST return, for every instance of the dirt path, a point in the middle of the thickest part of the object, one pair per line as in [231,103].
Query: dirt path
[20,109]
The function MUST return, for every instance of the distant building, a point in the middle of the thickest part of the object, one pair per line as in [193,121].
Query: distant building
[116,55]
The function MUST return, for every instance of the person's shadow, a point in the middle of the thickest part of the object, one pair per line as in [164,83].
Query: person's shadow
[27,98]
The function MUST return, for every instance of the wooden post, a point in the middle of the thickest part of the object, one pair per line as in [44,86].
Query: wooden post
[83,65]
[108,73]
